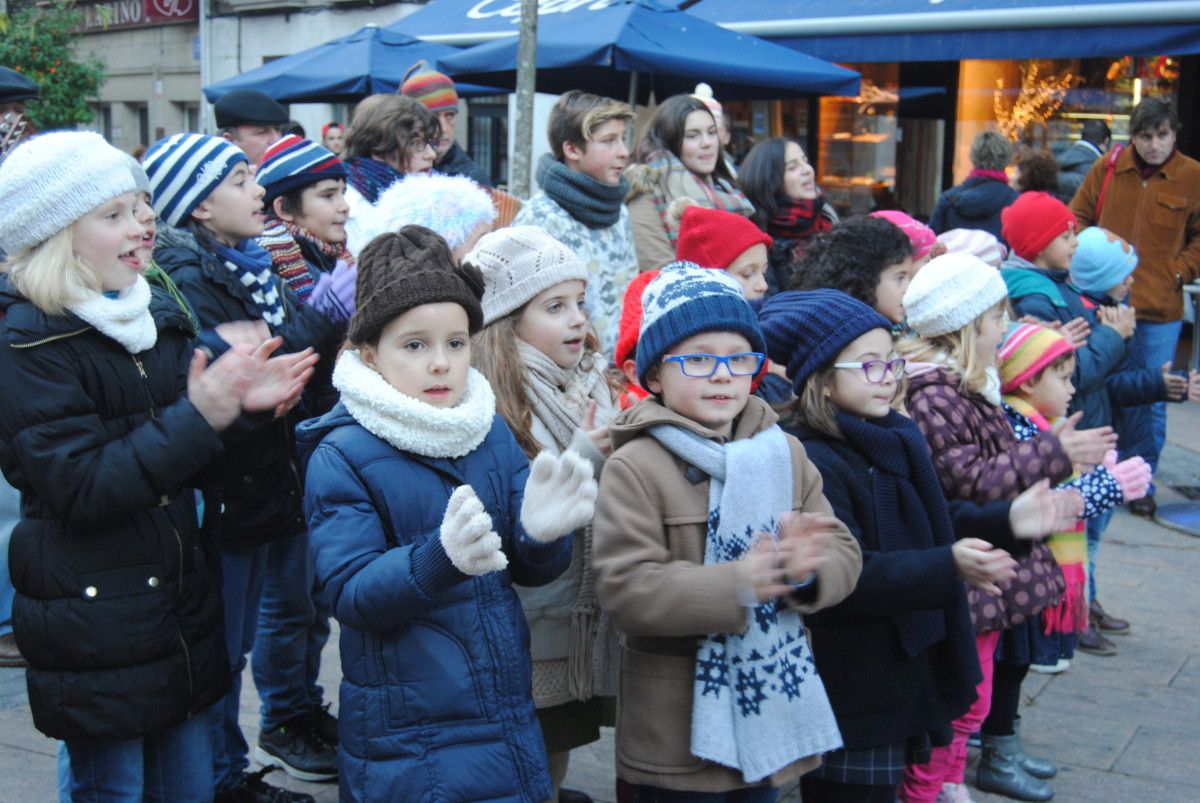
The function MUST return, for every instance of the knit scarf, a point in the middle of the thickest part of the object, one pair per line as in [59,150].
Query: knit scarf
[323,255]
[371,176]
[126,318]
[592,203]
[560,399]
[798,218]
[994,175]
[758,704]
[409,424]
[252,266]
[287,258]
[1069,547]
[910,508]
[157,277]
[678,182]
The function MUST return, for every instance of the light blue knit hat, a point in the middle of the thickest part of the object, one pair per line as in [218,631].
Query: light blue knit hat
[184,169]
[1102,260]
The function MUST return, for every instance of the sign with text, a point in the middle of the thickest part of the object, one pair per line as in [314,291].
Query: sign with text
[126,14]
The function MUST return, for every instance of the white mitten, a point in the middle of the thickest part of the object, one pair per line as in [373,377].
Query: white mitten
[560,496]
[467,535]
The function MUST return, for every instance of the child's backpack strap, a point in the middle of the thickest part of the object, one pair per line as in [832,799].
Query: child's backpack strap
[1110,167]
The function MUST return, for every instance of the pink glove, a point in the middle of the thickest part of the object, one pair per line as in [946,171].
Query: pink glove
[333,296]
[1133,475]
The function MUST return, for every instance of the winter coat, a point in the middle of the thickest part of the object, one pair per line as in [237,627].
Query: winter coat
[457,162]
[650,533]
[880,692]
[436,690]
[1160,217]
[1048,295]
[115,608]
[975,453]
[255,496]
[1074,163]
[974,204]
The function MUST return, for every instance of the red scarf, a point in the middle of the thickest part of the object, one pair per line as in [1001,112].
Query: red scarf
[798,219]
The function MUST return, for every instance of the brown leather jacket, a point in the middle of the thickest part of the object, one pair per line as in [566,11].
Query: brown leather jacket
[651,524]
[1160,216]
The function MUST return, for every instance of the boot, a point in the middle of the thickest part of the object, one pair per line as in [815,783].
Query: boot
[1105,621]
[1037,767]
[1000,772]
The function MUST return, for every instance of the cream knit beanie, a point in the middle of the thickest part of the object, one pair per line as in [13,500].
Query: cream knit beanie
[951,292]
[517,263]
[53,180]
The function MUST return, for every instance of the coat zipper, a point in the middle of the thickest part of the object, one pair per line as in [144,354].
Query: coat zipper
[50,339]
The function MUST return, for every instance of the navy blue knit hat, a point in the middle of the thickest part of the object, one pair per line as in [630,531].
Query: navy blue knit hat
[806,330]
[684,300]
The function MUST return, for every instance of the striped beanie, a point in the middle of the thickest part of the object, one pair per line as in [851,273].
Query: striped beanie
[184,169]
[685,300]
[976,243]
[1102,261]
[292,163]
[1027,349]
[434,90]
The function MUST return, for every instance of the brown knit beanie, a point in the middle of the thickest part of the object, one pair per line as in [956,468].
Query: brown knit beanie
[401,270]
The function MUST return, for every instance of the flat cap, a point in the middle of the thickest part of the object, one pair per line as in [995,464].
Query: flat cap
[248,107]
[15,87]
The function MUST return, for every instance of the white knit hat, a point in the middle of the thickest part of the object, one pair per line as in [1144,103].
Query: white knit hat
[951,292]
[53,180]
[517,263]
[453,206]
[184,169]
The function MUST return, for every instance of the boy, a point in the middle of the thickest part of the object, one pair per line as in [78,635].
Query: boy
[581,202]
[714,238]
[697,533]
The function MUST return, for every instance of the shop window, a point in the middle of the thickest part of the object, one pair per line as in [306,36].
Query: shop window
[487,136]
[856,164]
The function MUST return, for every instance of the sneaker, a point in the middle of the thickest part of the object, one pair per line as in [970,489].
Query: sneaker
[1061,665]
[1091,640]
[253,789]
[297,749]
[324,724]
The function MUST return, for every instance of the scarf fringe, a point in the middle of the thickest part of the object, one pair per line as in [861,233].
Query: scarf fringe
[1070,614]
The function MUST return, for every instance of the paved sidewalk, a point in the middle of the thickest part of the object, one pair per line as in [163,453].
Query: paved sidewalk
[1125,728]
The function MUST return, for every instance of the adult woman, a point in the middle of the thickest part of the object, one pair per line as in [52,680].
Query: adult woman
[678,156]
[778,179]
[976,203]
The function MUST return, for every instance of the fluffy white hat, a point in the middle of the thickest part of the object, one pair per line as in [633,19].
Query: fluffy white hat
[452,206]
[951,292]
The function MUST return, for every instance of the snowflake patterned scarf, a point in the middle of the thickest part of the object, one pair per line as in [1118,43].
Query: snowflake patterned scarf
[758,704]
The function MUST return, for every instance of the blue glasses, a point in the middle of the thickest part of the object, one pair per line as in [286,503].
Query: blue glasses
[702,366]
[875,370]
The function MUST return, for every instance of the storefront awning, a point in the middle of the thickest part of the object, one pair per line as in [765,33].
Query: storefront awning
[950,30]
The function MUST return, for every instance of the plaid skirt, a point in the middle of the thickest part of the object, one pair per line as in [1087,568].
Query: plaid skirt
[874,766]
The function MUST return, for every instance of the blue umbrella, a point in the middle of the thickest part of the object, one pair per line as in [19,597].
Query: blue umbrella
[635,46]
[343,70]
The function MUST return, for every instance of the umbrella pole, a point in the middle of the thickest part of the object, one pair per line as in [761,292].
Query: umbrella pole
[526,86]
[633,82]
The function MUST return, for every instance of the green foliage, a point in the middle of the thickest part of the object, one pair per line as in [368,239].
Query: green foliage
[38,42]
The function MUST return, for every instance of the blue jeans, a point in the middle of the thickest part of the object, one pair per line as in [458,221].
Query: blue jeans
[292,629]
[1156,343]
[754,794]
[10,514]
[242,572]
[1095,528]
[175,765]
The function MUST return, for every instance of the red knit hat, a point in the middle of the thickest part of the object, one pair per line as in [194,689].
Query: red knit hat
[1032,222]
[714,239]
[631,317]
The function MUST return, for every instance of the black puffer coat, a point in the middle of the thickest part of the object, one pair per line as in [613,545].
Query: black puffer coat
[257,494]
[115,610]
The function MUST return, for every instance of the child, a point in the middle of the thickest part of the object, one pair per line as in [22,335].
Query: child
[975,242]
[704,566]
[1035,367]
[957,307]
[423,512]
[625,357]
[898,654]
[108,418]
[865,257]
[455,207]
[712,238]
[212,208]
[581,202]
[925,245]
[550,384]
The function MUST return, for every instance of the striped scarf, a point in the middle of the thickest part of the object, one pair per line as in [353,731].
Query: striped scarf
[287,258]
[676,181]
[252,266]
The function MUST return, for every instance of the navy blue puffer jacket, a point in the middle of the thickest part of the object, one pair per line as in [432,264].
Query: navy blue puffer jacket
[436,695]
[974,204]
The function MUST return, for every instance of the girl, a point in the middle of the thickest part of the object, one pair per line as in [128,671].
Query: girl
[898,654]
[788,205]
[712,238]
[108,419]
[423,512]
[205,194]
[957,306]
[539,355]
[678,156]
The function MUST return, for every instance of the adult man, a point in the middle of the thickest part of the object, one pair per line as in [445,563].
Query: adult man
[1075,160]
[436,92]
[251,120]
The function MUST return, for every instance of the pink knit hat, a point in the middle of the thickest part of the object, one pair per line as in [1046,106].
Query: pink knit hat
[921,236]
[976,242]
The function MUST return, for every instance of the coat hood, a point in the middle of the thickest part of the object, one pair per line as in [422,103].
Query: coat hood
[980,198]
[310,433]
[1076,156]
[643,179]
[649,412]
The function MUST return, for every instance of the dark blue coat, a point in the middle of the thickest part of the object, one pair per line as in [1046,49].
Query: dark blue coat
[436,694]
[974,204]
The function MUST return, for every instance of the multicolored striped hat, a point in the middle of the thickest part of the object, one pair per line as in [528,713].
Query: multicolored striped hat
[293,163]
[184,169]
[434,90]
[1027,349]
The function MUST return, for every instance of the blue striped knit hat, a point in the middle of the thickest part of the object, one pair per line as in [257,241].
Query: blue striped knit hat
[685,300]
[184,169]
[292,163]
